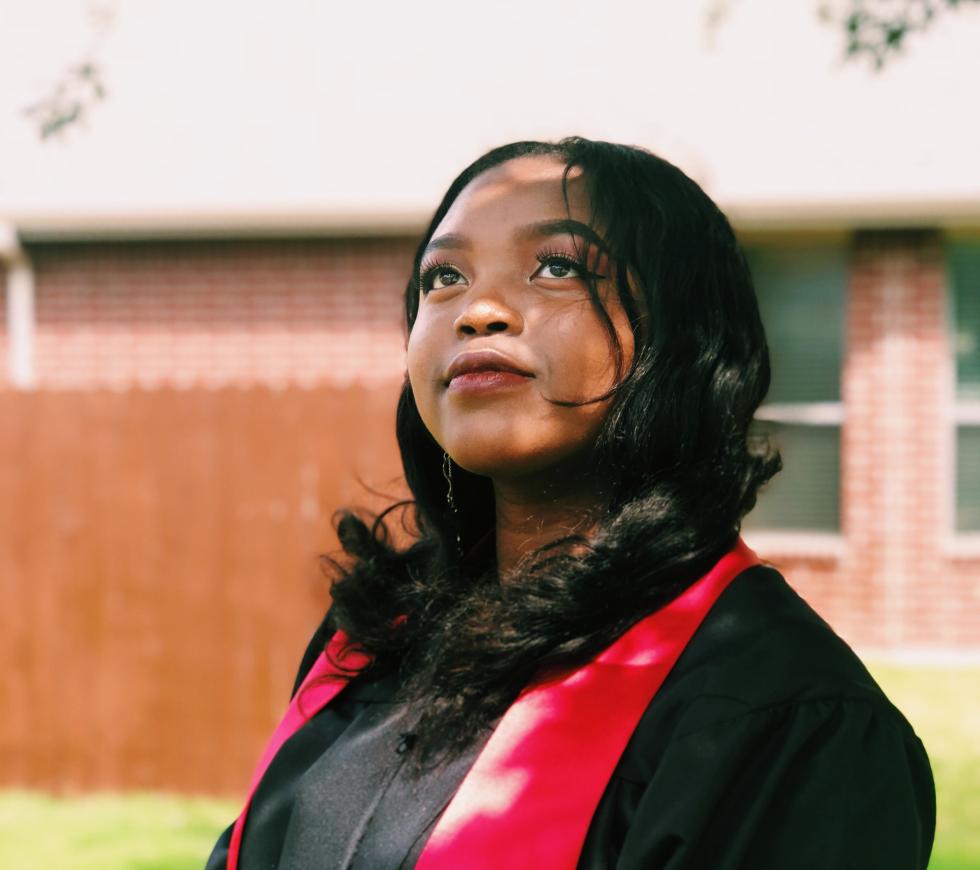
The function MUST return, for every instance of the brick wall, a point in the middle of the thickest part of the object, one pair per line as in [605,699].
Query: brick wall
[273,313]
[899,580]
[219,313]
[168,486]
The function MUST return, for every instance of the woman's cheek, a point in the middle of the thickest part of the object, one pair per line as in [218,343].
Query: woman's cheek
[421,371]
[587,368]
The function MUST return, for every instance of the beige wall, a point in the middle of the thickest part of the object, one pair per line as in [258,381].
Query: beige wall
[321,111]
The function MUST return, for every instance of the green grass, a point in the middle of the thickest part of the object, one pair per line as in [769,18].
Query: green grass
[942,705]
[137,831]
[132,831]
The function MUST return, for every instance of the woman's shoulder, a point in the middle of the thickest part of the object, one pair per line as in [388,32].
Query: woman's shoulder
[762,651]
[769,745]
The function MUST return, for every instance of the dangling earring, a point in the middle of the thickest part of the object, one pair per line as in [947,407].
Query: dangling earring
[447,472]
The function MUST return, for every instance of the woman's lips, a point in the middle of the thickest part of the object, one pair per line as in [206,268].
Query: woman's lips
[486,381]
[484,371]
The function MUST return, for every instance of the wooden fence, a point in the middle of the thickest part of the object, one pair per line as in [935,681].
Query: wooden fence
[159,576]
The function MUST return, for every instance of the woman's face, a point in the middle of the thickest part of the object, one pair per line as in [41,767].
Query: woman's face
[505,323]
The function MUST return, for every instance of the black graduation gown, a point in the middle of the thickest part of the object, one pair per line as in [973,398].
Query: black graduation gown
[769,745]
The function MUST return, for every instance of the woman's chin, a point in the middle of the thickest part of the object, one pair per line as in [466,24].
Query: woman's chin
[490,462]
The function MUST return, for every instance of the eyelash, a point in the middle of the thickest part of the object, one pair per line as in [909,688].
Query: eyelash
[429,267]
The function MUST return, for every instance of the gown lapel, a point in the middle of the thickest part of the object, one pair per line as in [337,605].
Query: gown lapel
[321,684]
[528,799]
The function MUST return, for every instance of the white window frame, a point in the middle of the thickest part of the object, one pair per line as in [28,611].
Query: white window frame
[805,543]
[802,542]
[959,412]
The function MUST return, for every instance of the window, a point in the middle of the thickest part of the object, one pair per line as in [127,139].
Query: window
[801,292]
[964,279]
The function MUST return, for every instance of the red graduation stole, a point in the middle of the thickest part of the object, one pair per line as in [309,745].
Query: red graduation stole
[529,797]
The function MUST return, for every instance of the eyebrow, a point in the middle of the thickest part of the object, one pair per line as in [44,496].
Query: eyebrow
[540,230]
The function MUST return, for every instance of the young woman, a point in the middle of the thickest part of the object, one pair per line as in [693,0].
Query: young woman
[576,661]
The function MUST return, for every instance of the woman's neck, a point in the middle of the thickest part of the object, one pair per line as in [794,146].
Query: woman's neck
[533,513]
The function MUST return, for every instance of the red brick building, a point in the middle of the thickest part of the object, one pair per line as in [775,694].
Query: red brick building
[179,417]
[875,338]
[201,342]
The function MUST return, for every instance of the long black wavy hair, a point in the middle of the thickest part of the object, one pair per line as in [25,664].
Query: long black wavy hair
[675,450]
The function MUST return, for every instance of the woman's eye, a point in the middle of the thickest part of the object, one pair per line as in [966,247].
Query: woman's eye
[560,267]
[439,277]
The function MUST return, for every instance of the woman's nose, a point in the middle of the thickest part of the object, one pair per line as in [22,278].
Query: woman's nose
[488,315]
